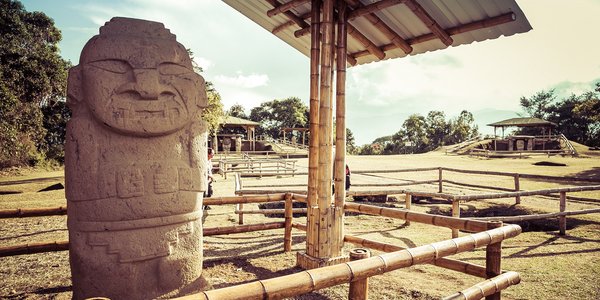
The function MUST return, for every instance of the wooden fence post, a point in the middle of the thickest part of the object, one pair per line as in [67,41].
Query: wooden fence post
[440,179]
[456,214]
[287,236]
[562,220]
[407,205]
[359,289]
[517,188]
[493,260]
[240,208]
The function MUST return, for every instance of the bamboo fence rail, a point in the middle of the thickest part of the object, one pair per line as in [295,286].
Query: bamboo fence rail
[319,278]
[488,287]
[33,212]
[242,228]
[32,248]
[539,216]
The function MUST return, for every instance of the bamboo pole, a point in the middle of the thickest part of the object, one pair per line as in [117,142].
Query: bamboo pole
[539,216]
[447,263]
[299,226]
[394,171]
[476,25]
[361,38]
[270,211]
[479,186]
[397,184]
[395,213]
[287,237]
[430,22]
[517,188]
[455,214]
[32,248]
[488,287]
[562,220]
[407,203]
[285,7]
[315,279]
[493,260]
[570,189]
[359,289]
[32,212]
[440,180]
[240,207]
[245,199]
[313,157]
[242,228]
[373,7]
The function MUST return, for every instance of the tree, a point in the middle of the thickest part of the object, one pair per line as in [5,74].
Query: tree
[436,128]
[238,111]
[32,76]
[462,128]
[213,113]
[537,105]
[350,143]
[278,114]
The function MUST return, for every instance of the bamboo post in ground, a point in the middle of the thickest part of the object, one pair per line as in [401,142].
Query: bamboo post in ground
[287,237]
[313,155]
[340,134]
[240,207]
[493,259]
[517,188]
[408,202]
[440,180]
[562,220]
[456,214]
[359,289]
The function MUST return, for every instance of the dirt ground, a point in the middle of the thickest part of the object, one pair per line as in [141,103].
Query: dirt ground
[551,266]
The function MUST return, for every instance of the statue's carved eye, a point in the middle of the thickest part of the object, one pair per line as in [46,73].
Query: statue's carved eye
[112,65]
[172,69]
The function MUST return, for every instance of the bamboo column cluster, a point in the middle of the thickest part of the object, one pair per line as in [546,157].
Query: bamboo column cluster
[325,216]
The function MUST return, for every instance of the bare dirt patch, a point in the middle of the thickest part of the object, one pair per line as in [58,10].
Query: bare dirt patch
[551,266]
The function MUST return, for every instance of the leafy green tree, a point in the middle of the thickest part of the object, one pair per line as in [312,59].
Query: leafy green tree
[278,114]
[213,113]
[238,111]
[537,105]
[32,76]
[462,128]
[436,128]
[351,147]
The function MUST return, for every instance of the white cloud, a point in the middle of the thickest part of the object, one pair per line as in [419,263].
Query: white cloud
[204,63]
[245,81]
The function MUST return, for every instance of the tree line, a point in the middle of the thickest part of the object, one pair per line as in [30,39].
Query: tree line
[576,116]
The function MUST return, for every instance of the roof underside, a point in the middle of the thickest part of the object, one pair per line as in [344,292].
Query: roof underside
[412,26]
[523,122]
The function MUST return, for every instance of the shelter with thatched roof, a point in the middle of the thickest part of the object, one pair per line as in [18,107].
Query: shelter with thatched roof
[543,142]
[225,141]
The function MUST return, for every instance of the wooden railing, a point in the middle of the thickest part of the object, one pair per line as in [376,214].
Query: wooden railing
[258,167]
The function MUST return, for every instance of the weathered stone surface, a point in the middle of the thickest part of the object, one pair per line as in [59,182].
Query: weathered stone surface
[135,165]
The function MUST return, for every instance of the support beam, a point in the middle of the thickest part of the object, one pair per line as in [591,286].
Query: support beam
[396,39]
[481,24]
[293,17]
[371,47]
[285,7]
[371,8]
[424,16]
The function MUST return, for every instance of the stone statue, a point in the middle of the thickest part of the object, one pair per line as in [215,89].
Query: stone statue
[135,165]
[238,144]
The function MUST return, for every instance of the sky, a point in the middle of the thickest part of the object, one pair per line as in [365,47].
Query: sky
[248,65]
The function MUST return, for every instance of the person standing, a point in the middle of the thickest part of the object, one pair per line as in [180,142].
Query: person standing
[209,176]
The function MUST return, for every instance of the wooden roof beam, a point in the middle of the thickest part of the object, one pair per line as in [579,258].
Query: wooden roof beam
[435,28]
[292,16]
[485,23]
[285,7]
[371,47]
[370,8]
[382,26]
[287,24]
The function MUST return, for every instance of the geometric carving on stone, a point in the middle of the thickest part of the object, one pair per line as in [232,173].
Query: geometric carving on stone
[135,165]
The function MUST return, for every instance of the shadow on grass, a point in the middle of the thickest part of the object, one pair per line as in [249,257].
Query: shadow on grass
[544,225]
[33,180]
[31,234]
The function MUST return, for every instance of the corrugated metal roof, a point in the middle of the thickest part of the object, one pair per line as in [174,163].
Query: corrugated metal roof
[449,14]
[522,122]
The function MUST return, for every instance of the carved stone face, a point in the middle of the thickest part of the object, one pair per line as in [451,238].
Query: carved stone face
[140,86]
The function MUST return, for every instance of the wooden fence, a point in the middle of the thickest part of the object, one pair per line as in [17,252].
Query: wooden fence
[258,167]
[489,234]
